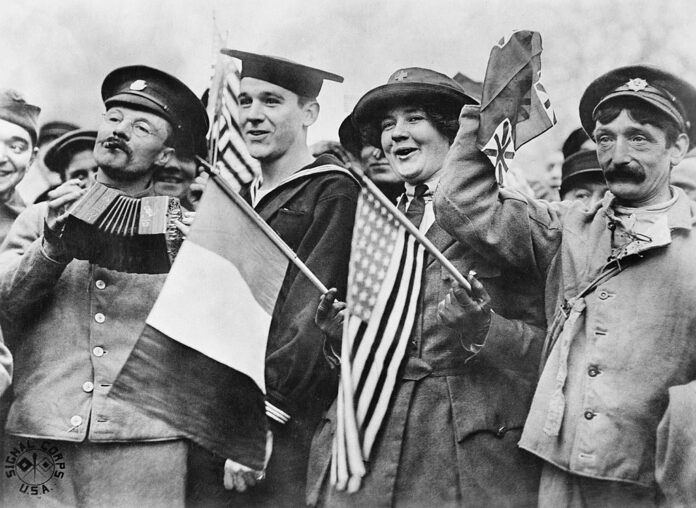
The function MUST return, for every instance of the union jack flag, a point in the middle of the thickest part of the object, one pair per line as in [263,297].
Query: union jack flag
[384,282]
[515,107]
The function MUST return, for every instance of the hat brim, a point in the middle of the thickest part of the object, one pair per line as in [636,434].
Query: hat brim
[376,101]
[584,174]
[603,86]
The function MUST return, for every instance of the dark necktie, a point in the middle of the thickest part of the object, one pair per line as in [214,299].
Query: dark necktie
[416,208]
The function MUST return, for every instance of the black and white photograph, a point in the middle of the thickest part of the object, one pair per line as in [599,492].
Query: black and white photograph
[348,254]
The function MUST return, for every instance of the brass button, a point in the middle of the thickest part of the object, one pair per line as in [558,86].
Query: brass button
[76,420]
[589,415]
[100,284]
[593,371]
[98,351]
[88,386]
[99,317]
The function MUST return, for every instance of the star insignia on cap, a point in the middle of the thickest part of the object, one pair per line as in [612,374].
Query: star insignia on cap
[138,85]
[637,84]
[400,76]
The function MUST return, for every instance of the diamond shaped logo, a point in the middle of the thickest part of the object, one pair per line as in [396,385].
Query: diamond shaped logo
[24,464]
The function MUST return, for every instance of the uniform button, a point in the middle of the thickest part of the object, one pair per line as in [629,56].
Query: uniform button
[76,420]
[100,284]
[99,317]
[603,295]
[88,386]
[589,415]
[98,351]
[593,371]
[501,431]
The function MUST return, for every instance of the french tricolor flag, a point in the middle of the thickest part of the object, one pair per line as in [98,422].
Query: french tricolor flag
[199,364]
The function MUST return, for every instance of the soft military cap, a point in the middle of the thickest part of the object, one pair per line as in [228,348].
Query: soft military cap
[656,87]
[300,79]
[14,109]
[157,92]
[581,164]
[53,130]
[62,150]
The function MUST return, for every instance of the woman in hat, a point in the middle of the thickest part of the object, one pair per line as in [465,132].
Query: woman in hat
[449,435]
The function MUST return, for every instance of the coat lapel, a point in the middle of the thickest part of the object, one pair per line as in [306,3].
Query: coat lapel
[440,239]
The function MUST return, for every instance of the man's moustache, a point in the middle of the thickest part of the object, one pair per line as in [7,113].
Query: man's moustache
[116,143]
[624,173]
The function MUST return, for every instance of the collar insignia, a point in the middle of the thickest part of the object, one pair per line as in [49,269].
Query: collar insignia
[637,84]
[138,85]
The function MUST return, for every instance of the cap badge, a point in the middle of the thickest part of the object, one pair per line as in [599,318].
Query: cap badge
[138,85]
[400,76]
[637,84]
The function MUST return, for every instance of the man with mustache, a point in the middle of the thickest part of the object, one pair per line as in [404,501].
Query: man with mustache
[310,203]
[18,133]
[71,324]
[620,285]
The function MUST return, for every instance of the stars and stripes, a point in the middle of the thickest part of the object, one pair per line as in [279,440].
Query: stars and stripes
[384,284]
[225,141]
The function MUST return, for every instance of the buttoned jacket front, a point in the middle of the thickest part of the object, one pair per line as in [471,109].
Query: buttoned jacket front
[634,337]
[70,327]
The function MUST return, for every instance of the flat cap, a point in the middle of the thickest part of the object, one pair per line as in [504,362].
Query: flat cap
[14,109]
[661,89]
[580,164]
[61,151]
[298,78]
[53,130]
[152,90]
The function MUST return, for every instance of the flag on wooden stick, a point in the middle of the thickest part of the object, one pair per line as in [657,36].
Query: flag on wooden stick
[225,142]
[384,283]
[515,107]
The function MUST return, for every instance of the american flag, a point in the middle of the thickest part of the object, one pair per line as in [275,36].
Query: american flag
[384,282]
[225,142]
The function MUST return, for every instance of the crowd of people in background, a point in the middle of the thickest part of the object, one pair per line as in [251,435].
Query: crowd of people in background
[561,376]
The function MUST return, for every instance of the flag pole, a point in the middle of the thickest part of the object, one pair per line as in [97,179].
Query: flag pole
[262,224]
[411,228]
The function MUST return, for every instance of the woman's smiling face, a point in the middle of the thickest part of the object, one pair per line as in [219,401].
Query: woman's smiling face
[413,146]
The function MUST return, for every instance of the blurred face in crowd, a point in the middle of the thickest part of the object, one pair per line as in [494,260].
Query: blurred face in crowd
[273,118]
[636,159]
[554,174]
[587,190]
[413,146]
[175,177]
[376,166]
[16,154]
[131,142]
[83,167]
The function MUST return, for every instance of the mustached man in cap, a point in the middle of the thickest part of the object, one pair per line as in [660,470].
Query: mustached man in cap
[620,285]
[310,203]
[71,324]
[18,133]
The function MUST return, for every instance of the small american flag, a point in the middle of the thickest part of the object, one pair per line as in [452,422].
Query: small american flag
[384,282]
[225,142]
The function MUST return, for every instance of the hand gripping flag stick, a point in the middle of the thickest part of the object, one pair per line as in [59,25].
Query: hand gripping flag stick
[216,175]
[413,230]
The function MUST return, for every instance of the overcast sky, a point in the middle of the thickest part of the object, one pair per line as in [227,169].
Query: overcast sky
[58,52]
